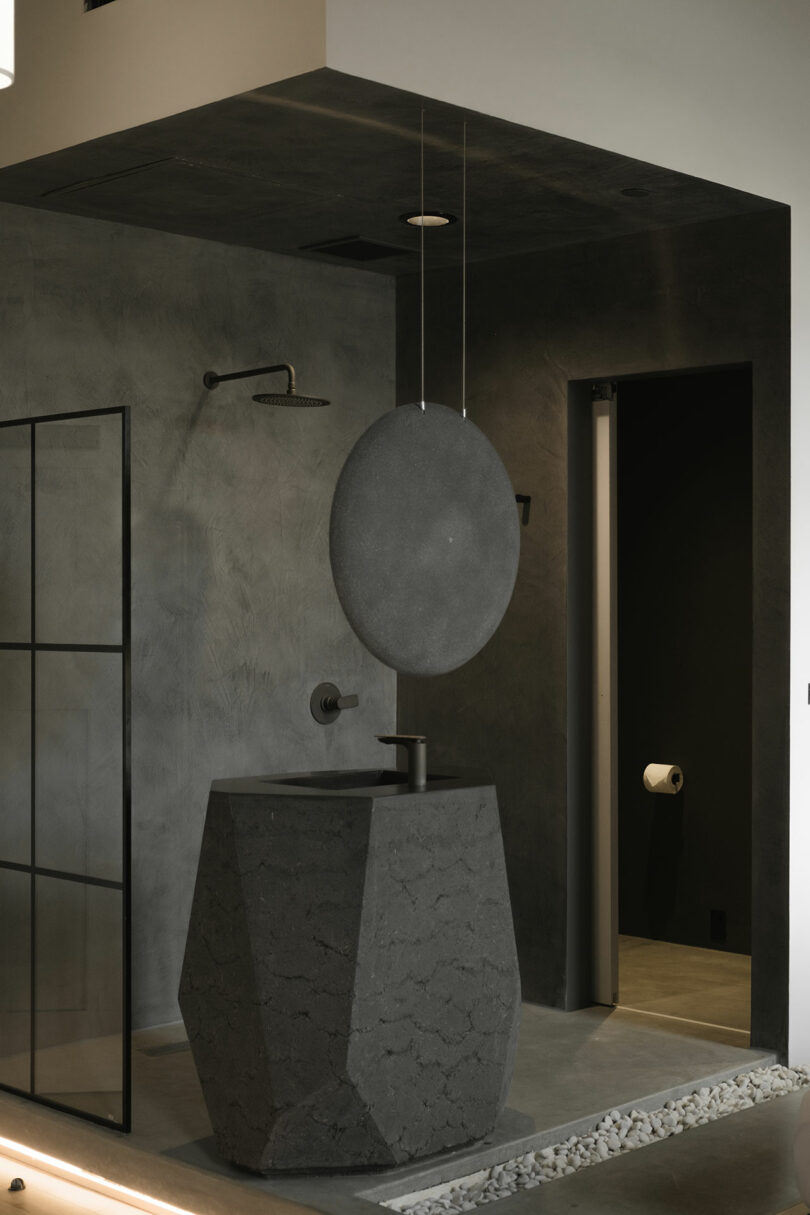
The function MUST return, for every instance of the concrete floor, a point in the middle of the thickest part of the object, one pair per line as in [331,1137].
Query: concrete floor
[568,1066]
[571,1067]
[740,1165]
[706,987]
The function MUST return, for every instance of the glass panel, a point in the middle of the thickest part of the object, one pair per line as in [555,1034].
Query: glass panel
[78,531]
[79,984]
[15,979]
[15,533]
[15,757]
[79,762]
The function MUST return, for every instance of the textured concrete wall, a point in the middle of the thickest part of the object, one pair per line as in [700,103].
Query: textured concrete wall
[235,619]
[696,296]
[670,92]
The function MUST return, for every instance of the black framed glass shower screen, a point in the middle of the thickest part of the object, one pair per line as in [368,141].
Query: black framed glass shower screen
[65,781]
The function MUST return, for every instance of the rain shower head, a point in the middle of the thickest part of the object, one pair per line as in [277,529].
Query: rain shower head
[290,397]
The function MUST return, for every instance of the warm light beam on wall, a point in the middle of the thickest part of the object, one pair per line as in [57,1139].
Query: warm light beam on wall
[6,43]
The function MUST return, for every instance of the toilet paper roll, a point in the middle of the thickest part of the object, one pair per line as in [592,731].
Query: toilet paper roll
[663,778]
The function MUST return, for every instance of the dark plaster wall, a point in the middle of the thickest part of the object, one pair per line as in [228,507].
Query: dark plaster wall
[696,296]
[683,478]
[235,619]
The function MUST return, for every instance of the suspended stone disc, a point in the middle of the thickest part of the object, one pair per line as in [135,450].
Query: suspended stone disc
[424,539]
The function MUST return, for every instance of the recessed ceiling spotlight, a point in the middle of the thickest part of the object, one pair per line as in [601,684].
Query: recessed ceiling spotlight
[430,219]
[636,192]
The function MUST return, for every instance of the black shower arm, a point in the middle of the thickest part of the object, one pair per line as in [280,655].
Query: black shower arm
[211,379]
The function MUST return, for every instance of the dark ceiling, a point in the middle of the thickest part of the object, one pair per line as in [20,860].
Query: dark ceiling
[325,156]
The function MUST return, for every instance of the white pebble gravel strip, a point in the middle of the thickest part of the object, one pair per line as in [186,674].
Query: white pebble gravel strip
[616,1132]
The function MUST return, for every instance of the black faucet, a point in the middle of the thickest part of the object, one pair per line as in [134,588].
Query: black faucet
[417,757]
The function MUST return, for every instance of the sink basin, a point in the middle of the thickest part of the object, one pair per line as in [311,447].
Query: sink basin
[362,783]
[369,779]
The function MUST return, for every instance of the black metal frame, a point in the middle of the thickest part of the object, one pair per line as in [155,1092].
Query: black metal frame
[125,885]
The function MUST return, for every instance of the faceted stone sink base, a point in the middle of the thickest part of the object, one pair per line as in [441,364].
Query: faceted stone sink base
[350,984]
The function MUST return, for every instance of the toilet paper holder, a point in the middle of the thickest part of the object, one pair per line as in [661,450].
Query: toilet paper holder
[663,778]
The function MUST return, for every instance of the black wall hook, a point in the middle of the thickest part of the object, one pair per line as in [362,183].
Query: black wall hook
[524,500]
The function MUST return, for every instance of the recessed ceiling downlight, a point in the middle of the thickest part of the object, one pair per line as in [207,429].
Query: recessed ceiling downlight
[430,219]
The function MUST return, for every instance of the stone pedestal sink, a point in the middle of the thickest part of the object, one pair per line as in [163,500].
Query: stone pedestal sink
[350,984]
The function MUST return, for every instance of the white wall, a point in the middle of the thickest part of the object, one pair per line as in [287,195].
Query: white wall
[715,88]
[81,75]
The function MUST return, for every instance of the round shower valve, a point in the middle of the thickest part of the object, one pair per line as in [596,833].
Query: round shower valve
[326,703]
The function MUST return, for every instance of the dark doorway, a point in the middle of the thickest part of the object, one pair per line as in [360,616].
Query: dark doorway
[684,620]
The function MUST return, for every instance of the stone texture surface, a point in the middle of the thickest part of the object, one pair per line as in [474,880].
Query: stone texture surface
[424,539]
[350,984]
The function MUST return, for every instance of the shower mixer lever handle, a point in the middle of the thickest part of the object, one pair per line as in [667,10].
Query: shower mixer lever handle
[326,703]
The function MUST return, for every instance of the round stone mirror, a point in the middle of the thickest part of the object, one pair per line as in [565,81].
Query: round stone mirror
[424,539]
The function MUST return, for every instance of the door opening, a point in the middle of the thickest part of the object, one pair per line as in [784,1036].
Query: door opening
[672,646]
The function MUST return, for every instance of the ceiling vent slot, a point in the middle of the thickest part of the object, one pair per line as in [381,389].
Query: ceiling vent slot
[357,249]
[89,5]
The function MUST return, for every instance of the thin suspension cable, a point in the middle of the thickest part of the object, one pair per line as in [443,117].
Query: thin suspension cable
[422,254]
[464,274]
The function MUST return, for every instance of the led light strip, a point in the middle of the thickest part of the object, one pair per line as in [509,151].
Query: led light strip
[50,1164]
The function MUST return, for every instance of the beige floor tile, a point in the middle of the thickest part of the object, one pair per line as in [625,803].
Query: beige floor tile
[704,986]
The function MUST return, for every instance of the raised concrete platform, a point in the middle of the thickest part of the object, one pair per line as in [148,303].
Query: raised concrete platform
[570,1068]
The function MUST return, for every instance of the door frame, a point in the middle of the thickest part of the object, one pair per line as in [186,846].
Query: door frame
[604,807]
[770,668]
